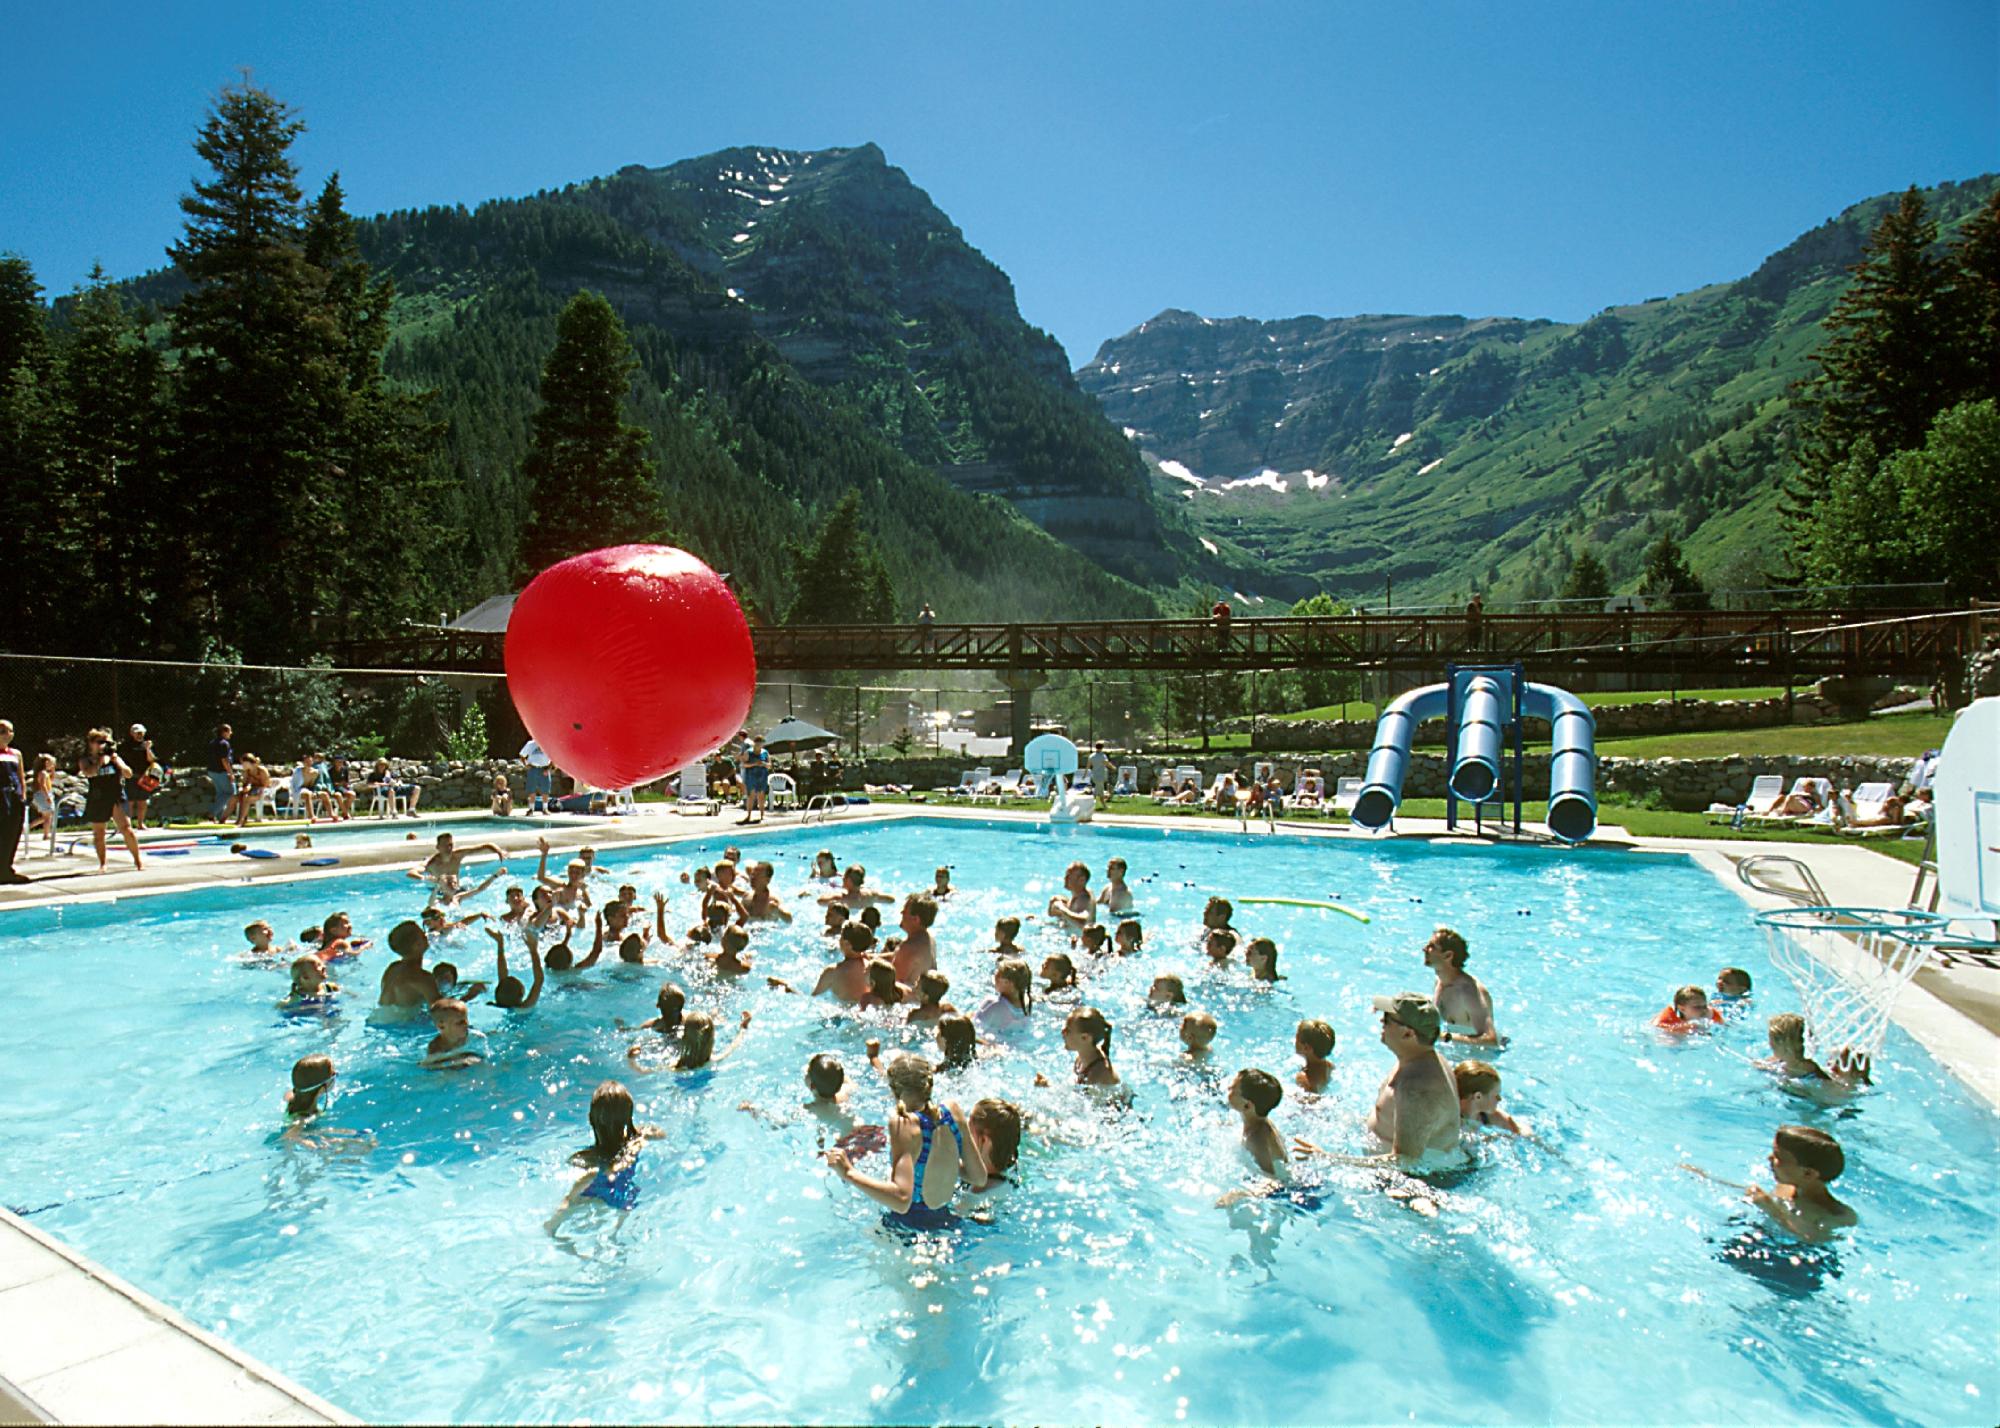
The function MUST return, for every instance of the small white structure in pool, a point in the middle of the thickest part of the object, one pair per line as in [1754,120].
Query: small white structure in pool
[1051,760]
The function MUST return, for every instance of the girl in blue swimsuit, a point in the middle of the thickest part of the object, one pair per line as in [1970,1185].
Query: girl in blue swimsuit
[612,1158]
[925,1167]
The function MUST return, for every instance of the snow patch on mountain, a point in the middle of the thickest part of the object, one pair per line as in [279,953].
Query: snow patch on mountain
[1316,482]
[1266,478]
[1180,473]
[1210,546]
[1426,470]
[1401,439]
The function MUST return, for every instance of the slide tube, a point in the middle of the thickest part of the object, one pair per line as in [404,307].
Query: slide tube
[1389,760]
[1572,759]
[1482,716]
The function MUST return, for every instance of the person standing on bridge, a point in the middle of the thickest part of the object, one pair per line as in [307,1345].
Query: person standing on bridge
[1219,614]
[1475,616]
[926,618]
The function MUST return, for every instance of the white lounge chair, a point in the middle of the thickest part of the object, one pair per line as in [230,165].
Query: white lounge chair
[692,796]
[966,784]
[1128,780]
[1821,791]
[1347,793]
[1309,791]
[1864,809]
[1765,791]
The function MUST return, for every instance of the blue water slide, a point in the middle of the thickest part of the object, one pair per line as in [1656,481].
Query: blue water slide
[1484,711]
[1572,759]
[1389,760]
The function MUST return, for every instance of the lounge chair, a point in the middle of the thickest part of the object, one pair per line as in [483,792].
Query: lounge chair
[1867,811]
[1309,791]
[1008,785]
[967,783]
[693,795]
[1347,793]
[1128,781]
[1819,790]
[1765,791]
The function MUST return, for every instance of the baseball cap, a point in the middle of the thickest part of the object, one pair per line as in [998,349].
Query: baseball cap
[1414,1010]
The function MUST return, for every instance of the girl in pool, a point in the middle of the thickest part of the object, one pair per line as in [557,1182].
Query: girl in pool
[957,1042]
[670,1004]
[1262,955]
[1093,939]
[698,1044]
[995,1130]
[310,987]
[1004,933]
[1129,939]
[1086,1035]
[928,1153]
[825,869]
[1167,992]
[611,1160]
[883,988]
[1013,997]
[931,1005]
[942,888]
[1058,973]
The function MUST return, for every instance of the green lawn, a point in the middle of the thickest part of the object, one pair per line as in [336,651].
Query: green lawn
[1903,735]
[1359,709]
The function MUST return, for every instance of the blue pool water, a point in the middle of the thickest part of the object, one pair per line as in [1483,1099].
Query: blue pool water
[406,1274]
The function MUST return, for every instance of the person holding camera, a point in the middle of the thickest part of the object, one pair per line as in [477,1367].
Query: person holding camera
[135,750]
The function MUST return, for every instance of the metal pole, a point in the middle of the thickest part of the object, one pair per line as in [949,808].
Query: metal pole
[857,721]
[937,724]
[788,701]
[1090,721]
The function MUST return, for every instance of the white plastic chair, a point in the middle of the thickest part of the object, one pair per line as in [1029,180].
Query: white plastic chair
[1765,791]
[1309,791]
[1346,793]
[385,802]
[692,795]
[621,800]
[784,792]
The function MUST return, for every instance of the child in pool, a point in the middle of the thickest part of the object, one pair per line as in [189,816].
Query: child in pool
[957,1042]
[763,905]
[1803,1162]
[919,1131]
[1115,897]
[1690,1012]
[259,935]
[847,980]
[854,893]
[1314,1043]
[1732,988]
[1004,933]
[1012,1000]
[456,1043]
[836,918]
[1074,906]
[942,888]
[824,867]
[1220,944]
[1197,1035]
[871,918]
[1086,1035]
[698,1045]
[1262,955]
[995,1131]
[1803,1075]
[732,960]
[1215,917]
[883,988]
[931,1005]
[830,1104]
[1479,1097]
[507,990]
[612,1156]
[436,924]
[310,987]
[311,1075]
[670,1004]
[1254,1094]
[1167,991]
[1093,939]
[337,939]
[445,974]
[1058,973]
[1130,938]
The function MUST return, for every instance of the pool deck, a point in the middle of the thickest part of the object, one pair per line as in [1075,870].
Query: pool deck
[78,1345]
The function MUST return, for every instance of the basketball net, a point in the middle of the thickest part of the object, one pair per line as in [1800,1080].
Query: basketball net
[1849,965]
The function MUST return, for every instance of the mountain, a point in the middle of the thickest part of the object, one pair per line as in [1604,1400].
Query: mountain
[1448,453]
[806,321]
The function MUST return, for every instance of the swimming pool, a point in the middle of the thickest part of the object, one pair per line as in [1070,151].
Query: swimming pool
[363,829]
[1578,1277]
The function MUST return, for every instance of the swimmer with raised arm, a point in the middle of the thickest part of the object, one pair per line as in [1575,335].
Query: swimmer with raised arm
[854,893]
[441,868]
[612,1158]
[507,990]
[928,1153]
[1074,906]
[1115,897]
[1465,1005]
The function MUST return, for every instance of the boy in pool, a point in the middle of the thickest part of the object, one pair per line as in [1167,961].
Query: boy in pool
[1254,1095]
[931,1005]
[456,1043]
[1479,1097]
[917,953]
[764,905]
[1463,1002]
[942,888]
[829,1104]
[310,987]
[1004,933]
[836,918]
[855,894]
[1197,1035]
[259,935]
[508,991]
[1074,906]
[437,924]
[1803,1162]
[442,866]
[1215,916]
[1115,897]
[670,1004]
[405,982]
[1732,988]
[1129,939]
[731,961]
[311,1075]
[1167,991]
[1690,1012]
[847,980]
[1220,944]
[1314,1043]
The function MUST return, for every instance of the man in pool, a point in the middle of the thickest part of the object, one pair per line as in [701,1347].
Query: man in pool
[916,954]
[855,894]
[1465,1005]
[441,867]
[1416,1111]
[1115,897]
[1074,905]
[406,985]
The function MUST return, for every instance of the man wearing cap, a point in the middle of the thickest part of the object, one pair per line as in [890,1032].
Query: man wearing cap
[1416,1111]
[137,751]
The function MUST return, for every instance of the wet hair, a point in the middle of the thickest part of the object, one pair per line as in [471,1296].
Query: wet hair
[870,917]
[855,874]
[1220,937]
[734,940]
[1200,1019]
[999,1122]
[858,936]
[825,1075]
[1138,932]
[1265,946]
[1814,1149]
[1317,1035]
[1261,1089]
[933,984]
[1007,929]
[299,964]
[957,1039]
[697,1041]
[1452,944]
[1097,1024]
[406,938]
[632,948]
[943,872]
[1218,904]
[1733,980]
[309,1073]
[1083,868]
[762,872]
[836,915]
[577,867]
[559,958]
[824,855]
[923,905]
[1176,989]
[882,983]
[1065,968]
[910,1080]
[447,1004]
[669,1003]
[1690,994]
[444,973]
[1474,1077]
[516,890]
[1115,863]
[509,992]
[250,929]
[611,1111]
[1014,972]
[1094,937]
[1788,1034]
[432,911]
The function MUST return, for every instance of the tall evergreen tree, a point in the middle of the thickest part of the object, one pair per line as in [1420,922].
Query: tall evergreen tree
[589,474]
[23,319]
[1587,580]
[1668,578]
[838,578]
[35,574]
[259,390]
[1975,260]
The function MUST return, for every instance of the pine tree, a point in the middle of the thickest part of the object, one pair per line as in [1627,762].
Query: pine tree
[1948,491]
[1975,260]
[23,320]
[256,489]
[839,578]
[36,570]
[589,475]
[1588,579]
[1668,579]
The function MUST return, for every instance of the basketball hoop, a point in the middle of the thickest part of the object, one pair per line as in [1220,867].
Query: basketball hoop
[1849,965]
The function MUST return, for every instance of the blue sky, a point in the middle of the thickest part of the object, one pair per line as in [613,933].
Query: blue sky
[1115,159]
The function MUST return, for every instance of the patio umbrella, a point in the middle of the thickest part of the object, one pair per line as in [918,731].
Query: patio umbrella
[795,736]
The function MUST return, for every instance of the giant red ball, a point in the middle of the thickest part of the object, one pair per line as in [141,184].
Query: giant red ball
[629,663]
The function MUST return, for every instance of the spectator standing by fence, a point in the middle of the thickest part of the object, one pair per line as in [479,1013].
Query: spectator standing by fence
[105,774]
[141,780]
[221,773]
[13,802]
